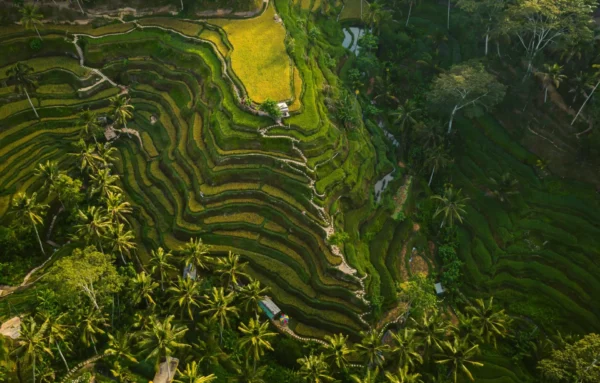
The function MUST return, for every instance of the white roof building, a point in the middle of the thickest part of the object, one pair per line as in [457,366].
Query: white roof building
[439,289]
[285,110]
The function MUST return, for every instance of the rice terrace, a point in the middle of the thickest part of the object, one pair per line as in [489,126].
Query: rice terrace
[299,191]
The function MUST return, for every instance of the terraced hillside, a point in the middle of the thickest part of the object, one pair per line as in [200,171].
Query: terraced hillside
[205,165]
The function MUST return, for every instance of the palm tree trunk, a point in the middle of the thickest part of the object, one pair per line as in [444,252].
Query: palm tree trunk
[448,14]
[95,349]
[38,237]
[487,41]
[431,177]
[38,32]
[546,95]
[62,356]
[80,7]
[31,103]
[33,367]
[585,102]
[122,258]
[409,11]
[498,48]
[452,118]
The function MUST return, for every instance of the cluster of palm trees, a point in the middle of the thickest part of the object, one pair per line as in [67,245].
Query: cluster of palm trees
[425,341]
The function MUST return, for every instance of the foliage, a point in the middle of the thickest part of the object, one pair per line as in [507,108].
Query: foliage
[575,362]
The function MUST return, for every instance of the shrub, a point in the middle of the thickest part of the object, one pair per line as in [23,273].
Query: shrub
[270,107]
[35,44]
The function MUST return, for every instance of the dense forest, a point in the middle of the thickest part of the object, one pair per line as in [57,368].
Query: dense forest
[414,185]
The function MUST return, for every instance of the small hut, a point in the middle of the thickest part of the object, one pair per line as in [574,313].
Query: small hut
[439,289]
[166,373]
[269,307]
[285,110]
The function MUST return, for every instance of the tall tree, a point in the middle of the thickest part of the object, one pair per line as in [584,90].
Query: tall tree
[371,350]
[451,206]
[251,294]
[597,75]
[369,377]
[220,306]
[57,333]
[403,376]
[93,225]
[68,190]
[88,121]
[19,75]
[29,211]
[488,13]
[161,264]
[465,85]
[458,355]
[119,346]
[88,156]
[405,349]
[47,172]
[195,254]
[117,207]
[540,24]
[31,18]
[121,240]
[411,4]
[437,158]
[144,288]
[575,362]
[104,182]
[551,76]
[161,340]
[193,374]
[432,330]
[231,269]
[491,323]
[254,339]
[186,295]
[122,110]
[314,369]
[337,351]
[91,327]
[32,341]
[504,187]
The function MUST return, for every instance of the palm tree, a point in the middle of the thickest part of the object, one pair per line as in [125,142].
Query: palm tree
[121,240]
[403,376]
[121,109]
[504,187]
[254,339]
[106,153]
[553,75]
[431,329]
[370,377]
[88,156]
[119,346]
[405,348]
[193,374]
[160,263]
[116,207]
[371,350]
[219,305]
[376,14]
[57,332]
[451,206]
[30,18]
[91,327]
[437,158]
[47,172]
[32,341]
[186,294]
[596,75]
[161,340]
[231,268]
[208,352]
[407,113]
[246,374]
[458,355]
[336,350]
[28,210]
[411,3]
[251,294]
[195,254]
[491,323]
[314,369]
[104,182]
[88,121]
[144,287]
[19,75]
[93,225]
[580,84]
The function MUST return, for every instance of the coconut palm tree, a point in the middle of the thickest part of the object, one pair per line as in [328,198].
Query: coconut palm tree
[431,328]
[451,206]
[336,350]
[551,76]
[93,225]
[208,352]
[254,339]
[47,172]
[32,341]
[119,346]
[88,121]
[104,182]
[504,187]
[161,340]
[160,263]
[371,350]
[57,333]
[120,240]
[219,306]
[580,84]
[195,254]
[314,369]
[370,376]
[185,294]
[597,76]
[19,74]
[116,207]
[491,323]
[458,355]
[106,153]
[30,18]
[121,109]
[410,3]
[403,376]
[405,349]
[437,158]
[251,294]
[407,114]
[231,268]
[246,374]
[193,374]
[144,288]
[91,327]
[29,211]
